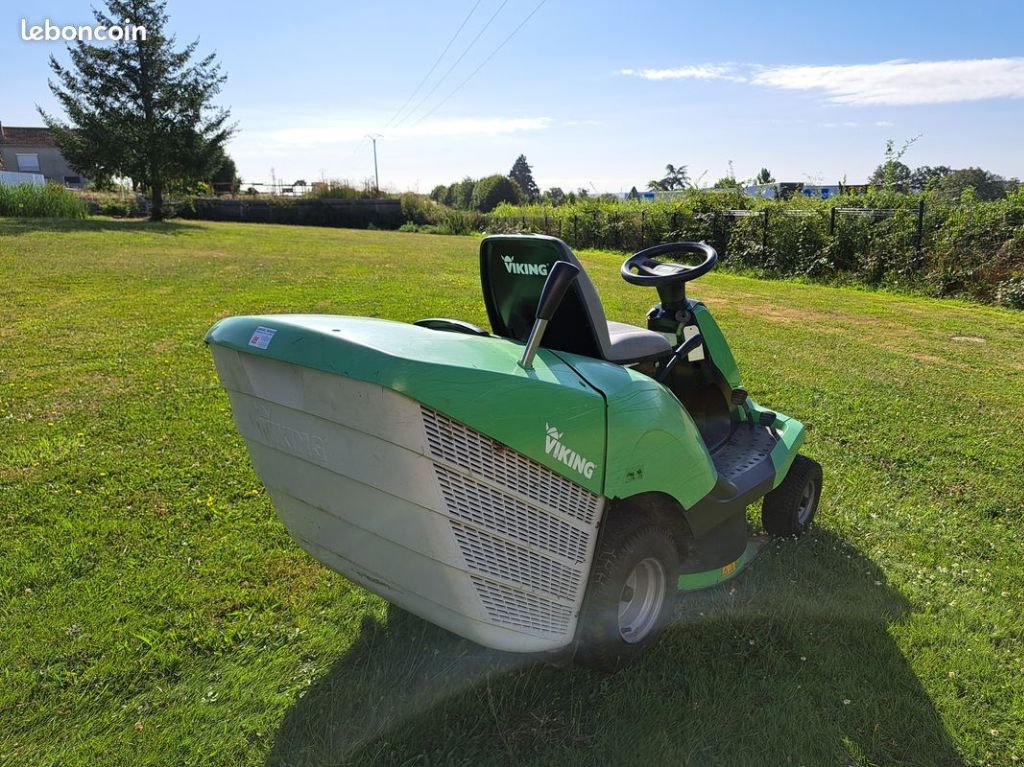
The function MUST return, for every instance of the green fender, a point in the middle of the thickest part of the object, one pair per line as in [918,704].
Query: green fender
[653,444]
[716,345]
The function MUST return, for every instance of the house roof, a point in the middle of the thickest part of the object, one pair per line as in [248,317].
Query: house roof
[26,137]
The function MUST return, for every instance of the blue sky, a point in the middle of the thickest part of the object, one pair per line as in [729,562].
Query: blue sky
[598,95]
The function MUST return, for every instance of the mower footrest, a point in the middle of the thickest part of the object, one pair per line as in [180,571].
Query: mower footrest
[744,460]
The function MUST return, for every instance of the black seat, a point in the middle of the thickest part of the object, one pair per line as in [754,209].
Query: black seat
[513,268]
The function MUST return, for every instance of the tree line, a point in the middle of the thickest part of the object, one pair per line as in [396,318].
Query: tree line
[517,188]
[944,184]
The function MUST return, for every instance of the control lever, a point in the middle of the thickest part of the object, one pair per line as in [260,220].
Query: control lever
[681,351]
[561,276]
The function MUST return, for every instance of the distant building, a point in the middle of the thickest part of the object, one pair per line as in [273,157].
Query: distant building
[776,190]
[783,190]
[34,150]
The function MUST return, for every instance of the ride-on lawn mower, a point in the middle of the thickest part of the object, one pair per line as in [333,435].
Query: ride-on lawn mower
[540,488]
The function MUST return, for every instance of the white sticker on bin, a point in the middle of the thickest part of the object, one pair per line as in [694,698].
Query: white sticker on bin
[261,337]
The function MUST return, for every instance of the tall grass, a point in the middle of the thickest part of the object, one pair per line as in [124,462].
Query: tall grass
[47,201]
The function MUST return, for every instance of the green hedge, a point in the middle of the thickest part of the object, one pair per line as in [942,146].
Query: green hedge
[909,242]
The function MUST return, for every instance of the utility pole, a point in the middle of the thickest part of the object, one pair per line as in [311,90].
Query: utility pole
[376,178]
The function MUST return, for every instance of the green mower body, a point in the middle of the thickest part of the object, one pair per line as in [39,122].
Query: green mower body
[449,470]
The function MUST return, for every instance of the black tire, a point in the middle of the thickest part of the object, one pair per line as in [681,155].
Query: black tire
[648,555]
[789,509]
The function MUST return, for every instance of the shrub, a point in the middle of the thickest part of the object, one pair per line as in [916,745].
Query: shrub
[47,201]
[114,204]
[460,222]
[115,208]
[339,190]
[963,249]
[418,209]
[1011,293]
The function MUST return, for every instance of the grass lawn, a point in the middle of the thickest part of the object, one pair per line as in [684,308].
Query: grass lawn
[154,611]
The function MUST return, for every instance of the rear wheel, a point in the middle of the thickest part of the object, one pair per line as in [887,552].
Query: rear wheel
[789,509]
[630,596]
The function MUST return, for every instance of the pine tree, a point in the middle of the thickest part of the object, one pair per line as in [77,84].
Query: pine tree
[522,174]
[142,109]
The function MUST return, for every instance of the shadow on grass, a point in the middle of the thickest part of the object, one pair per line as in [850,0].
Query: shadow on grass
[791,663]
[18,226]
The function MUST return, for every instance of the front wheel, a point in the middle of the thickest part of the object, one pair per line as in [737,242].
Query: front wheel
[630,596]
[789,509]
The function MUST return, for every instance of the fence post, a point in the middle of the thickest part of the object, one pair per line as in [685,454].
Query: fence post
[920,228]
[764,236]
[643,213]
[575,232]
[546,228]
[832,222]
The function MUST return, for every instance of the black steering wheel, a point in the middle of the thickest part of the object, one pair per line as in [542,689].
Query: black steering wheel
[652,273]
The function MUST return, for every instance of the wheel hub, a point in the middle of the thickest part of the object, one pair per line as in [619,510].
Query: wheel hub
[806,508]
[641,600]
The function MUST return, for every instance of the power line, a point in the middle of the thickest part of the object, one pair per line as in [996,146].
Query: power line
[356,148]
[436,62]
[460,58]
[482,64]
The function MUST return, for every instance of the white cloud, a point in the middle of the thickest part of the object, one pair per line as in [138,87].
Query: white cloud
[903,82]
[333,132]
[695,72]
[889,83]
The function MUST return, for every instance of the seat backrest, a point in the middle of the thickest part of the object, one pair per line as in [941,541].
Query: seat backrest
[513,268]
